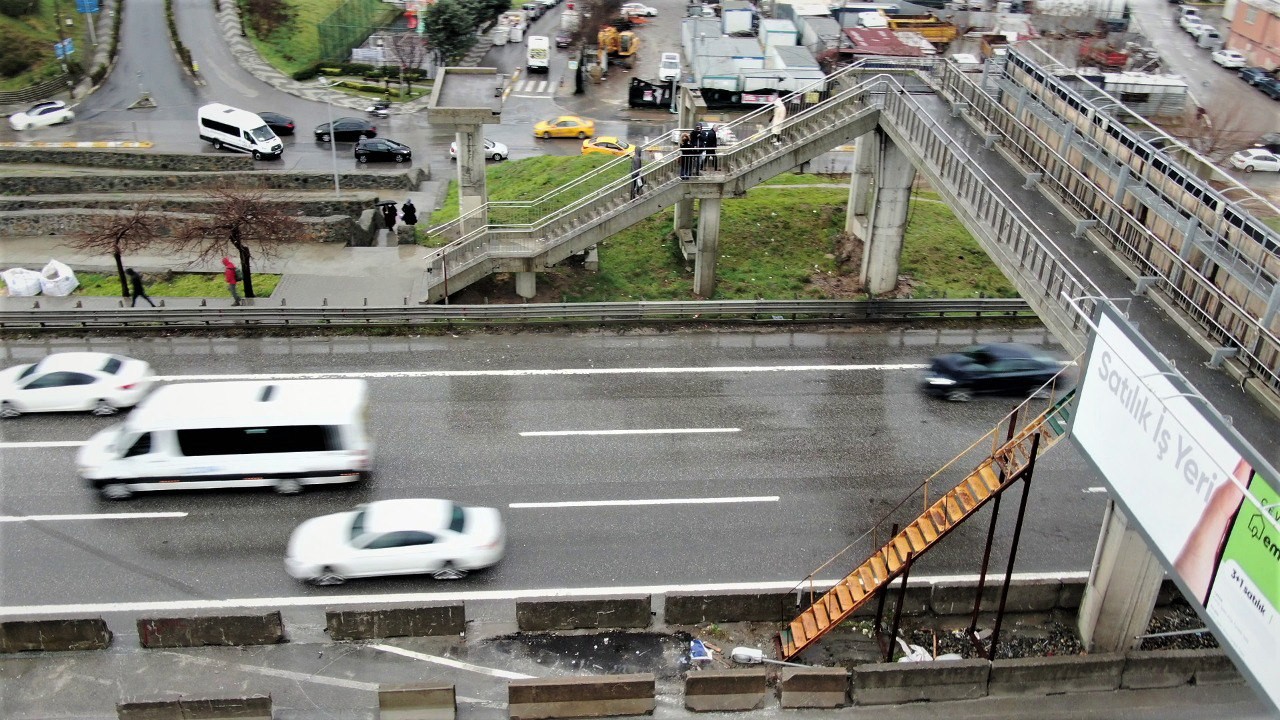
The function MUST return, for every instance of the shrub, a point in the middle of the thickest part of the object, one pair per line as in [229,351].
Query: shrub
[20,53]
[18,8]
[306,73]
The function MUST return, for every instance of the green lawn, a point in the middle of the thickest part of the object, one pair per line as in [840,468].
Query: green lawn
[173,284]
[297,45]
[40,31]
[944,259]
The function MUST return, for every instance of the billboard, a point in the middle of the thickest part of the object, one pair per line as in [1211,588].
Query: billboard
[1204,500]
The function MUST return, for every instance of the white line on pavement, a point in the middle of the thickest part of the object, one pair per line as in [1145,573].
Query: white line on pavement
[449,662]
[276,672]
[463,596]
[44,444]
[90,516]
[536,372]
[650,431]
[659,501]
[1094,490]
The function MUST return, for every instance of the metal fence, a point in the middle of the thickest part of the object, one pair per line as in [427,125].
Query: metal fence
[347,26]
[39,91]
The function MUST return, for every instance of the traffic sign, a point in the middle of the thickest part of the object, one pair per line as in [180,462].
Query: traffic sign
[64,48]
[87,6]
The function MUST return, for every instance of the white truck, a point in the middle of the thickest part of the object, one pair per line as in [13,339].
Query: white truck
[539,54]
[569,19]
[516,21]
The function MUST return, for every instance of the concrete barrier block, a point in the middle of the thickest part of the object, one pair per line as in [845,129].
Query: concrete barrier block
[723,690]
[890,683]
[1217,669]
[622,612]
[1164,668]
[1024,596]
[1071,594]
[581,697]
[915,602]
[429,620]
[54,634]
[681,608]
[818,687]
[253,707]
[265,629]
[417,702]
[1053,675]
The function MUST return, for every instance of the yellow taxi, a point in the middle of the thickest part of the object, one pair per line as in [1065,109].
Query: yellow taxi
[607,145]
[565,126]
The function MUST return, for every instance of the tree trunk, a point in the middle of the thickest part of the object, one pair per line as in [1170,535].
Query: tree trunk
[248,274]
[124,280]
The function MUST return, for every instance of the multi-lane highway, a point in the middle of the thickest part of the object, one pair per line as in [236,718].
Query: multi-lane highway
[772,452]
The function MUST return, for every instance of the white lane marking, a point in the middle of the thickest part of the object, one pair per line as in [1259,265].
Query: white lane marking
[449,662]
[276,672]
[1094,490]
[542,87]
[545,371]
[658,501]
[463,596]
[648,431]
[90,516]
[45,444]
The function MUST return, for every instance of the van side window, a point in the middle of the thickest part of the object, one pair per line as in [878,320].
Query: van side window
[141,446]
[252,441]
[247,136]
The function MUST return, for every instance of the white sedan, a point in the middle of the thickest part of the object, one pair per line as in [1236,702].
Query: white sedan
[396,537]
[1229,59]
[50,112]
[492,150]
[635,8]
[98,382]
[1256,159]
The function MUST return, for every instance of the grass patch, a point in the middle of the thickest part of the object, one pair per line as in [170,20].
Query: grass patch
[944,259]
[527,180]
[805,179]
[169,284]
[40,29]
[297,45]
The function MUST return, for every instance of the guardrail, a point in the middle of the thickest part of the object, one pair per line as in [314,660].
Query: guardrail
[39,91]
[766,311]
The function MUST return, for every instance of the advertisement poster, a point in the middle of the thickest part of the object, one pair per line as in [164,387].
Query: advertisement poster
[1183,476]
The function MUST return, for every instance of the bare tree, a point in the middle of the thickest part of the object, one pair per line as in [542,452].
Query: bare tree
[410,50]
[120,233]
[1216,134]
[247,220]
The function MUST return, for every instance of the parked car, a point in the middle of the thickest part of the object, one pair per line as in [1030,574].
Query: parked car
[347,129]
[635,8]
[534,9]
[101,383]
[1256,159]
[564,38]
[279,124]
[1270,142]
[382,149]
[669,67]
[1253,75]
[396,537]
[996,368]
[1229,59]
[1194,29]
[1199,31]
[607,145]
[1270,86]
[1189,19]
[565,126]
[492,150]
[42,114]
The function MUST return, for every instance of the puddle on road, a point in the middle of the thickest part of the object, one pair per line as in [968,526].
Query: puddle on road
[598,653]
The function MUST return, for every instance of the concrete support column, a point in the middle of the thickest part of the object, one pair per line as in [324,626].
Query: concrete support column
[861,184]
[882,251]
[526,284]
[1123,584]
[472,192]
[704,265]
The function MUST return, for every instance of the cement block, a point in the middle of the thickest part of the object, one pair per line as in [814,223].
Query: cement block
[623,612]
[581,697]
[1162,668]
[1217,669]
[54,634]
[1053,675]
[890,683]
[429,620]
[681,608]
[1071,594]
[265,629]
[724,690]
[915,602]
[1024,596]
[417,702]
[253,707]
[818,687]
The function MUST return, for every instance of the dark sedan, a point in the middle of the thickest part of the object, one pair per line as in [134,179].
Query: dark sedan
[346,129]
[279,124]
[382,149]
[998,369]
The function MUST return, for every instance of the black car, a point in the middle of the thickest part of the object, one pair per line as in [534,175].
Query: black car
[279,124]
[1253,75]
[382,149]
[564,38]
[1269,142]
[998,368]
[346,129]
[1270,86]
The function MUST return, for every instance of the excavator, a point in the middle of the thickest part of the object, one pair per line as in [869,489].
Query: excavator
[620,46]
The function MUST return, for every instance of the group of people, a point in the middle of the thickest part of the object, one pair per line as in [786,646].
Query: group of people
[698,150]
[408,213]
[230,273]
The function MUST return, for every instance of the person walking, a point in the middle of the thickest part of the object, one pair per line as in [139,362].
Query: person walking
[686,156]
[409,213]
[709,143]
[637,182]
[779,116]
[136,288]
[389,214]
[232,275]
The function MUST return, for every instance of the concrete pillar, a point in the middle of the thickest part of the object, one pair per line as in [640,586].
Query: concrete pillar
[526,284]
[704,265]
[691,106]
[883,249]
[861,184]
[1122,588]
[472,192]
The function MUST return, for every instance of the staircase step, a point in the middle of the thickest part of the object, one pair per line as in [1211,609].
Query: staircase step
[810,622]
[889,556]
[903,546]
[820,614]
[868,579]
[987,474]
[977,488]
[856,592]
[844,596]
[925,527]
[914,538]
[955,513]
[797,630]
[939,519]
[878,569]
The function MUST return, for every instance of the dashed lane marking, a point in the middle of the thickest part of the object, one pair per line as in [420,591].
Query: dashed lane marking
[644,431]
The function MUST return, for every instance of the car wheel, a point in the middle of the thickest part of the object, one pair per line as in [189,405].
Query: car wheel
[399,158]
[217,144]
[9,410]
[540,136]
[288,486]
[324,137]
[328,576]
[1248,168]
[959,395]
[366,135]
[116,491]
[499,157]
[102,408]
[257,155]
[582,135]
[449,571]
[363,158]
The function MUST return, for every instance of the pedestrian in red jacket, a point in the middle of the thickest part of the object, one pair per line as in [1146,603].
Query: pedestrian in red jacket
[232,275]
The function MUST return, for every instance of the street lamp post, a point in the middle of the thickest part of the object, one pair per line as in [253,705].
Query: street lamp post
[333,140]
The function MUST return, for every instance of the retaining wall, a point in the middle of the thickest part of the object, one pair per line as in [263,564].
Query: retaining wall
[57,634]
[1046,675]
[624,612]
[724,690]
[893,683]
[291,204]
[680,608]
[142,183]
[581,697]
[337,229]
[418,621]
[130,159]
[265,629]
[253,707]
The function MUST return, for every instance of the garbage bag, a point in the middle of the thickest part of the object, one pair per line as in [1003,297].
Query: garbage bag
[57,279]
[21,282]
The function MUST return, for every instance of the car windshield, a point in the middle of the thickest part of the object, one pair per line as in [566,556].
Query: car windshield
[30,369]
[357,524]
[262,134]
[979,355]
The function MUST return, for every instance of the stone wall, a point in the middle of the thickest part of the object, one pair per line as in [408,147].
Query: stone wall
[130,159]
[408,179]
[293,205]
[337,229]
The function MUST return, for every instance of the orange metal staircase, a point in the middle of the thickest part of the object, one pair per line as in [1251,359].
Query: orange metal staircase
[995,474]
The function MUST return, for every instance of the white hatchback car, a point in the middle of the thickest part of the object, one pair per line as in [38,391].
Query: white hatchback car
[1256,159]
[492,150]
[396,537]
[669,67]
[42,114]
[72,381]
[635,8]
[1230,59]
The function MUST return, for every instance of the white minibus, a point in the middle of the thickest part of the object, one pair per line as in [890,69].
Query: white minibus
[229,127]
[539,55]
[261,433]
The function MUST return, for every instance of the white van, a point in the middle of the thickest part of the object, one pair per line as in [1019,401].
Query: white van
[539,57]
[271,433]
[229,127]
